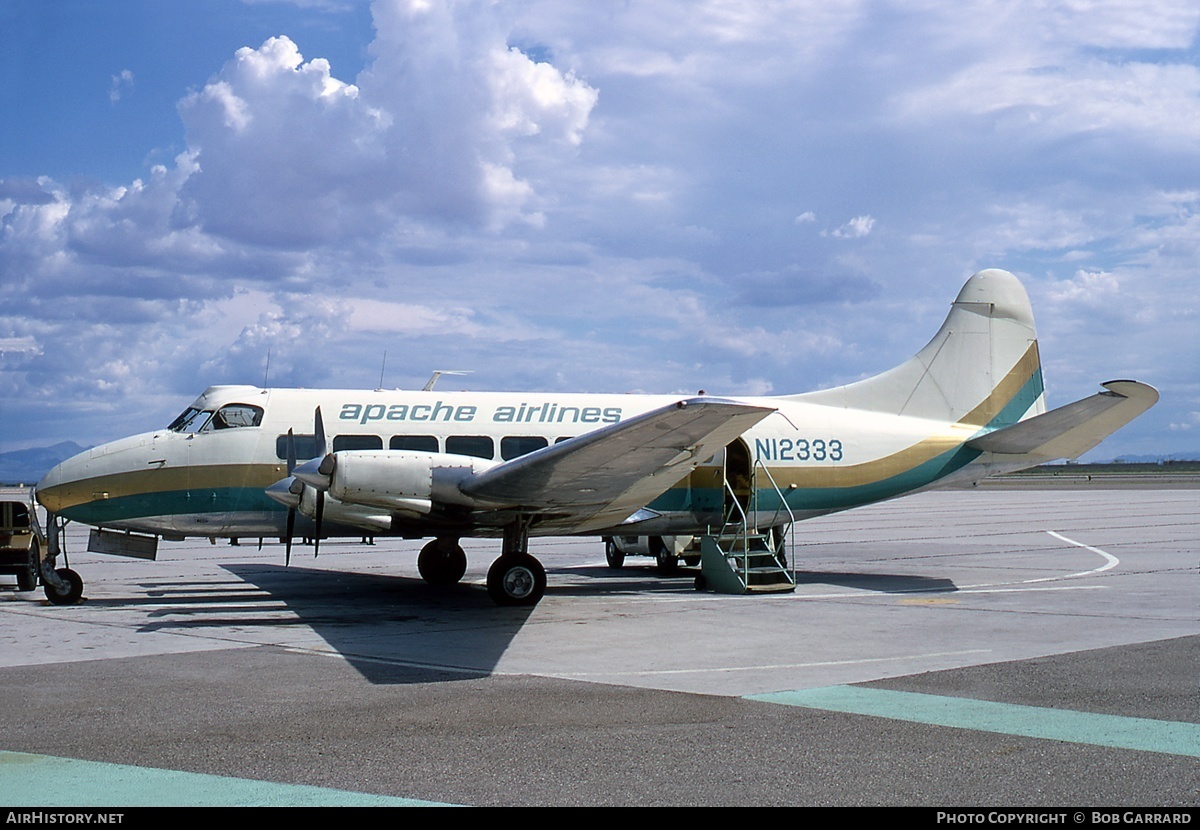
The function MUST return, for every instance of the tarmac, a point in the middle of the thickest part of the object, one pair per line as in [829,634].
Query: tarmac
[1018,646]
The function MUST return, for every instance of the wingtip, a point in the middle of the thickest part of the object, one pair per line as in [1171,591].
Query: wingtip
[1133,389]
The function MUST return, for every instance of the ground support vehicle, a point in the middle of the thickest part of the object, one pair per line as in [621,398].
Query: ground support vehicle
[25,553]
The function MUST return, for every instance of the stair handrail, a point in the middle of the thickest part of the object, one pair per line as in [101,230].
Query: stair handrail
[791,532]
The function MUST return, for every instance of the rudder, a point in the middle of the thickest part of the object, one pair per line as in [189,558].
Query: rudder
[981,368]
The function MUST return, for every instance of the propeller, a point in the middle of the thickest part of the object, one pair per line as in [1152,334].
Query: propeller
[291,519]
[314,473]
[319,431]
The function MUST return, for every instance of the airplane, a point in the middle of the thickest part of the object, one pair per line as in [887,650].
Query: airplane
[245,462]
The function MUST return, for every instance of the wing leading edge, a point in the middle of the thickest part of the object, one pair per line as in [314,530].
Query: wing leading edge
[604,476]
[1071,430]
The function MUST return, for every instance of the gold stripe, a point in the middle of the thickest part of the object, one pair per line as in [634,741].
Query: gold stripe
[870,472]
[163,480]
[879,469]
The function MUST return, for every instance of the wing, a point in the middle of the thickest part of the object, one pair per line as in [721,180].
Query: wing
[1071,430]
[604,476]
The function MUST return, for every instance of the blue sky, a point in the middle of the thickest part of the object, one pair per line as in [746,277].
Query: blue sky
[749,198]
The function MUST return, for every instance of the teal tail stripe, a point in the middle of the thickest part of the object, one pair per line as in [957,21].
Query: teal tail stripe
[1168,737]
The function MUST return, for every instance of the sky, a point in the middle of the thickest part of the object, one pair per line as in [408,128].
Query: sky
[741,197]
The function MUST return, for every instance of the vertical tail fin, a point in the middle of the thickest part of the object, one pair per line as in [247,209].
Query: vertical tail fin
[981,368]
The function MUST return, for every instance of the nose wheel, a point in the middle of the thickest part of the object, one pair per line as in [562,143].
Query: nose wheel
[65,587]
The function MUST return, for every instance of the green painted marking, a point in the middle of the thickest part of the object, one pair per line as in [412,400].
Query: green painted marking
[1170,737]
[44,781]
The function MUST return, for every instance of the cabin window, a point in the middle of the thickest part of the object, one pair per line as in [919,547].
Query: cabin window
[518,445]
[306,447]
[357,442]
[235,415]
[192,420]
[564,438]
[479,446]
[420,443]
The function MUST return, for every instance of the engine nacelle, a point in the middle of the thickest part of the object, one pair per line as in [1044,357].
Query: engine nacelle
[402,480]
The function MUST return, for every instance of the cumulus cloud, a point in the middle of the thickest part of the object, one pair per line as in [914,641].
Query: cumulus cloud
[856,228]
[605,197]
[121,82]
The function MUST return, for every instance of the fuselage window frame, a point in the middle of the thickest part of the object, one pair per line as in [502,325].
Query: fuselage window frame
[342,443]
[414,443]
[235,416]
[515,446]
[476,446]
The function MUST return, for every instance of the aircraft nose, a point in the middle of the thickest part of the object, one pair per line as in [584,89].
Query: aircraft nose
[51,491]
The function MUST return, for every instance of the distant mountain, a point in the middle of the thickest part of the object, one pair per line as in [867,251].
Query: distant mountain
[28,466]
[1158,459]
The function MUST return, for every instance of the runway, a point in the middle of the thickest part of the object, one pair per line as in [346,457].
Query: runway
[1005,647]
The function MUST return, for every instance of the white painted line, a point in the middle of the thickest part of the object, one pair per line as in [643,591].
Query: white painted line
[771,666]
[1110,560]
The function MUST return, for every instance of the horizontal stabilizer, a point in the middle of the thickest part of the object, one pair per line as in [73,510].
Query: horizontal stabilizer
[610,473]
[1071,430]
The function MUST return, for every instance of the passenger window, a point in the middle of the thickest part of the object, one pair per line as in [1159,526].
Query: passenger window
[517,445]
[420,443]
[479,446]
[306,447]
[357,442]
[236,415]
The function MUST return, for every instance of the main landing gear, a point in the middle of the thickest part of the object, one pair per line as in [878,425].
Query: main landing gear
[442,562]
[516,578]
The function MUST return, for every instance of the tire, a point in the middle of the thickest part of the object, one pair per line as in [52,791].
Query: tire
[74,588]
[691,561]
[516,579]
[442,562]
[665,561]
[27,579]
[613,554]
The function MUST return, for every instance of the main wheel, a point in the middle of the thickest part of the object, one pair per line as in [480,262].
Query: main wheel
[665,559]
[613,554]
[74,588]
[442,562]
[27,579]
[516,579]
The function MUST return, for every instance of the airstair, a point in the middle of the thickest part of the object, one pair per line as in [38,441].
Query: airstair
[748,553]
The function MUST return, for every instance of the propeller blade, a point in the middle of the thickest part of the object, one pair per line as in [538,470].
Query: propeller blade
[291,526]
[320,513]
[319,432]
[291,519]
[291,451]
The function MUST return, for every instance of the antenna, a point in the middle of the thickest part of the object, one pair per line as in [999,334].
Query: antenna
[267,370]
[382,366]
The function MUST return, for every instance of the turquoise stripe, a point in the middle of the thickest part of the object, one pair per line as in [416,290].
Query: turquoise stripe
[1169,737]
[174,503]
[838,498]
[45,781]
[700,501]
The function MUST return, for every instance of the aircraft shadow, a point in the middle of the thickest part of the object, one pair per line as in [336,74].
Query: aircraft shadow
[391,629]
[882,583]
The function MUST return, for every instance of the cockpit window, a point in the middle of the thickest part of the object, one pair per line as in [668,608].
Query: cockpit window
[192,420]
[233,415]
